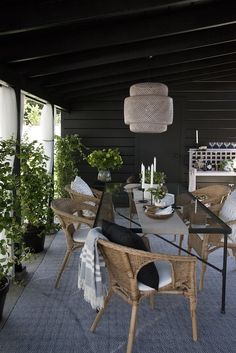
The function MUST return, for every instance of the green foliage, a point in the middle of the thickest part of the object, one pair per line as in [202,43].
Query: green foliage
[159,192]
[69,152]
[32,112]
[9,219]
[158,177]
[36,185]
[105,159]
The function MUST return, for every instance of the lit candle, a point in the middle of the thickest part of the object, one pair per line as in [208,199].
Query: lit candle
[149,168]
[151,176]
[155,164]
[197,137]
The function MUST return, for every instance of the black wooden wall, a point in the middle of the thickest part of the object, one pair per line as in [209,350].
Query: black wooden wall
[208,107]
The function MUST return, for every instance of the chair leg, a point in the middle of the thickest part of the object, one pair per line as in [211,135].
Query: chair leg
[181,238]
[66,258]
[193,317]
[152,301]
[132,327]
[203,270]
[101,311]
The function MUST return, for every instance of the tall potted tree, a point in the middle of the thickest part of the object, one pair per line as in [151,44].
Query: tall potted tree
[35,191]
[69,152]
[10,228]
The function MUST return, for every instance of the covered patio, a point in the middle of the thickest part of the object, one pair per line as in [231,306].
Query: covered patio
[82,58]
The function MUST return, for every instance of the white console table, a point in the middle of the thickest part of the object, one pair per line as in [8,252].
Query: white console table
[214,156]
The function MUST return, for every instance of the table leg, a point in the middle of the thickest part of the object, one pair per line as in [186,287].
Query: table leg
[224,269]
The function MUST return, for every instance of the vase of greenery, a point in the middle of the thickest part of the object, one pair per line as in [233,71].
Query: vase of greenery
[10,227]
[69,151]
[35,192]
[105,160]
[159,179]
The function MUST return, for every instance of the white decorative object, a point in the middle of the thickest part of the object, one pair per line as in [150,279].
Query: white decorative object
[155,164]
[197,137]
[228,213]
[82,187]
[151,176]
[148,109]
[168,200]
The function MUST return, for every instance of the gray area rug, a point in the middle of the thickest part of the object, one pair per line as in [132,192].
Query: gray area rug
[57,320]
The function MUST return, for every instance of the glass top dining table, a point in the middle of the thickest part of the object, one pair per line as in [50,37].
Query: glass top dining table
[190,215]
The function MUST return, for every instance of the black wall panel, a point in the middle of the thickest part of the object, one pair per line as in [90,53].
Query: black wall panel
[209,108]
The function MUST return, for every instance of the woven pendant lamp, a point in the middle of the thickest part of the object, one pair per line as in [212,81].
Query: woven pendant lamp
[148,109]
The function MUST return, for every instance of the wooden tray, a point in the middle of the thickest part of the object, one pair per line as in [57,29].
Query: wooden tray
[151,212]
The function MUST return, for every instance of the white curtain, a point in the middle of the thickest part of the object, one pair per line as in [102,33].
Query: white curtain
[47,133]
[8,118]
[8,113]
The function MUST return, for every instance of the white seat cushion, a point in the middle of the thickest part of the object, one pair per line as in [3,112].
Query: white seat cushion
[228,211]
[165,276]
[80,186]
[81,235]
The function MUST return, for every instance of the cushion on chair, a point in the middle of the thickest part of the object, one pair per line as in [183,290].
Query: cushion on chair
[124,236]
[165,275]
[81,234]
[228,213]
[80,186]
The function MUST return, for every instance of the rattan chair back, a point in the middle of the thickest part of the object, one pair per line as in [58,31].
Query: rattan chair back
[69,214]
[123,265]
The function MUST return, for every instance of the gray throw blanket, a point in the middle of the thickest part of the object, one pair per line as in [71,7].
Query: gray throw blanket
[92,270]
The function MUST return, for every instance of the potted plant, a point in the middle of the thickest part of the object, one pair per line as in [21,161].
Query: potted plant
[10,228]
[35,192]
[104,160]
[69,151]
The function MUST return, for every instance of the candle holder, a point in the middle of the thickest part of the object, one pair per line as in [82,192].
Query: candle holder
[143,200]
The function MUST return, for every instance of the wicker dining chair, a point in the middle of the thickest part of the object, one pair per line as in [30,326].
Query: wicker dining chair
[74,225]
[95,198]
[209,195]
[205,244]
[177,275]
[132,208]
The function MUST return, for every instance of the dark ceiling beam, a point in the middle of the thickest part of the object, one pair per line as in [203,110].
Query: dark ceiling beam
[16,80]
[146,74]
[199,57]
[169,79]
[80,38]
[209,39]
[53,14]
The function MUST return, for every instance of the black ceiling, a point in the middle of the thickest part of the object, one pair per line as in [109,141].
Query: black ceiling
[66,51]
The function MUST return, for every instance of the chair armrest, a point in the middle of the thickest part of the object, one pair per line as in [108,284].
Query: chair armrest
[97,193]
[216,208]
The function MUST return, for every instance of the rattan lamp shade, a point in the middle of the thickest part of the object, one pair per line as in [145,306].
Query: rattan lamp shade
[148,109]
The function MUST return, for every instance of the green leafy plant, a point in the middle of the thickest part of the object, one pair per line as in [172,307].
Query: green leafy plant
[10,227]
[36,186]
[158,177]
[105,159]
[32,112]
[159,192]
[69,152]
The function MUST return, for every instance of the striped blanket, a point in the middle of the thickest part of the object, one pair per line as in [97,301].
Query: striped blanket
[92,270]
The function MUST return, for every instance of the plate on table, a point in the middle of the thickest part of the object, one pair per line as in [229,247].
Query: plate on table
[152,212]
